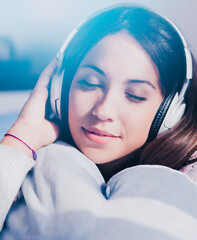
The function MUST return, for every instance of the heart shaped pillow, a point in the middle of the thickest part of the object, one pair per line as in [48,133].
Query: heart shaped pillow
[66,198]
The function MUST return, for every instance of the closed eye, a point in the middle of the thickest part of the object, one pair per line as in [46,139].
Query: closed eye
[135,98]
[88,85]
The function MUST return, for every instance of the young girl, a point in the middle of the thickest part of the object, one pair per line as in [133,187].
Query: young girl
[127,97]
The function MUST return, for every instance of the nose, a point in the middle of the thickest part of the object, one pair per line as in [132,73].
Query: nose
[105,108]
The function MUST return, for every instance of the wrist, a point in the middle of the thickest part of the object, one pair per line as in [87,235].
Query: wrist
[23,139]
[24,133]
[20,140]
[17,145]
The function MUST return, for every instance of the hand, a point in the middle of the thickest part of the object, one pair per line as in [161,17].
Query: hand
[31,125]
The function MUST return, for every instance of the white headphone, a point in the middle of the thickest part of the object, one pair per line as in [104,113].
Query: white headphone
[56,82]
[172,108]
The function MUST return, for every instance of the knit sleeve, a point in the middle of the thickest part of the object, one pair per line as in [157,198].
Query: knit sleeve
[191,169]
[13,169]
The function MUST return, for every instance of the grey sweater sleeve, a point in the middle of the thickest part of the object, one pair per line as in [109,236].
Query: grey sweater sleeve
[13,169]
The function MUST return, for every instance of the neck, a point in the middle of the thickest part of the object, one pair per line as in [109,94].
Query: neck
[111,168]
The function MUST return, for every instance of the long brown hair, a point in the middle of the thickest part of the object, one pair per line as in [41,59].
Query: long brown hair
[175,148]
[163,44]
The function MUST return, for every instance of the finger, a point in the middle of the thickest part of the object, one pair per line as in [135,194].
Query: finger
[40,92]
[48,71]
[46,74]
[54,131]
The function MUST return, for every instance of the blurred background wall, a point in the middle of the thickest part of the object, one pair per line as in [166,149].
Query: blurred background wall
[31,32]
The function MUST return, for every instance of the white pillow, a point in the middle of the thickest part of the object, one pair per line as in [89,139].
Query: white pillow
[72,201]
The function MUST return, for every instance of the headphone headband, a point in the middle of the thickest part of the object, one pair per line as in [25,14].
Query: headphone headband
[172,108]
[189,68]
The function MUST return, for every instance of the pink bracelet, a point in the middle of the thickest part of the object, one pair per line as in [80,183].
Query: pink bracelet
[33,152]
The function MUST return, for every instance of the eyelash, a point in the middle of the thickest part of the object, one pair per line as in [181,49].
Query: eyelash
[90,86]
[134,98]
[87,85]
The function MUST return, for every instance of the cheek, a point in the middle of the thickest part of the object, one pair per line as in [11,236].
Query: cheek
[80,104]
[137,121]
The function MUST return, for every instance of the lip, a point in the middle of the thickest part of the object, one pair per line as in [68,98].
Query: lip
[98,136]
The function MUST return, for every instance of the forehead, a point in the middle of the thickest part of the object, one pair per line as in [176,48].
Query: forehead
[121,55]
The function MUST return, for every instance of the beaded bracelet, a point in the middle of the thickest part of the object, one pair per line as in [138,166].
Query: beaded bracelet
[33,152]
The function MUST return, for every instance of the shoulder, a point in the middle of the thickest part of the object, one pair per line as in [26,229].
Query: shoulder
[57,150]
[59,157]
[56,154]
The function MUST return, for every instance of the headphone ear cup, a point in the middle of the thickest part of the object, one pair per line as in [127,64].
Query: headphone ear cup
[55,93]
[169,114]
[159,117]
[174,114]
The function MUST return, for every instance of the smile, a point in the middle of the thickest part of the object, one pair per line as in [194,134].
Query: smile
[98,136]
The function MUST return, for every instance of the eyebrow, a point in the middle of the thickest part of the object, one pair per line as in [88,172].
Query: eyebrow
[129,81]
[141,82]
[94,68]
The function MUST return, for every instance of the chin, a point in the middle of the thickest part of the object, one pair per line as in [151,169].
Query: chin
[100,160]
[97,157]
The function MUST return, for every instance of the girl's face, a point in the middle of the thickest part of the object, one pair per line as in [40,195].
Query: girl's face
[113,99]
